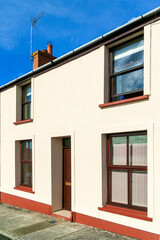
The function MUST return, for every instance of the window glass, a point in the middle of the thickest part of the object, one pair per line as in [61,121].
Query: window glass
[66,142]
[119,192]
[128,82]
[26,93]
[126,76]
[30,151]
[118,151]
[138,182]
[24,150]
[30,174]
[26,111]
[128,55]
[138,150]
[26,102]
[25,173]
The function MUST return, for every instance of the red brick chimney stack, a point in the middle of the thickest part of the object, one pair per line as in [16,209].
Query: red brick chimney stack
[42,57]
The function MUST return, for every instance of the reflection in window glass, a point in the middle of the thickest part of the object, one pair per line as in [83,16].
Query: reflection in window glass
[127,73]
[26,93]
[129,55]
[128,82]
[26,102]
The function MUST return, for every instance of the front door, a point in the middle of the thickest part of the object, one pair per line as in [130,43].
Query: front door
[66,176]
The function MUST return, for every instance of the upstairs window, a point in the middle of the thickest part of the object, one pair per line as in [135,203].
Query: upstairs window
[126,70]
[26,163]
[26,102]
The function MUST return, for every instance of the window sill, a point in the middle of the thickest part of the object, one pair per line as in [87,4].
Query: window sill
[23,121]
[24,189]
[126,212]
[124,101]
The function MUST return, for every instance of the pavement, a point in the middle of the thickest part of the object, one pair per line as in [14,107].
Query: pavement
[17,223]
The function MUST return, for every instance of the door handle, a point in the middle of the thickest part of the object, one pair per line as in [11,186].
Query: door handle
[68,183]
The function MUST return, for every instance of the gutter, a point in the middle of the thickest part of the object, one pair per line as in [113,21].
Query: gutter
[81,48]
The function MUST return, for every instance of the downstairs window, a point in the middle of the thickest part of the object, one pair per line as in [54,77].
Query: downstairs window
[127,170]
[26,163]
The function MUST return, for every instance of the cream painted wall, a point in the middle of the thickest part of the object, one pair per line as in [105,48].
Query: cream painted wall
[65,103]
[0,141]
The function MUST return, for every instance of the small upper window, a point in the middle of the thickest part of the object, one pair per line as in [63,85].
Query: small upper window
[126,71]
[26,102]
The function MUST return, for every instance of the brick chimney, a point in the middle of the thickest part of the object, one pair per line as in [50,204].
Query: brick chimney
[42,57]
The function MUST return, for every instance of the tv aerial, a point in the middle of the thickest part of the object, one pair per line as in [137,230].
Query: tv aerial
[33,25]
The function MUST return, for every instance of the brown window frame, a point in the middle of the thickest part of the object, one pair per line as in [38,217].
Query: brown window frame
[29,162]
[127,168]
[112,75]
[25,102]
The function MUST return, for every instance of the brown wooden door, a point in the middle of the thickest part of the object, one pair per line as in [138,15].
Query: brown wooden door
[67,178]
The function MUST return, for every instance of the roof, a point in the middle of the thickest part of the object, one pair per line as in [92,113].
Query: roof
[133,25]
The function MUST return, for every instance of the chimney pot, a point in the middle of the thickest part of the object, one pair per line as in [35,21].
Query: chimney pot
[44,50]
[49,48]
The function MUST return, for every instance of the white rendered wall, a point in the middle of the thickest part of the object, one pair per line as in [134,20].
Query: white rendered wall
[65,102]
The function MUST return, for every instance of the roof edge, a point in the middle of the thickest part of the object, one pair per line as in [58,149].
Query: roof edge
[81,48]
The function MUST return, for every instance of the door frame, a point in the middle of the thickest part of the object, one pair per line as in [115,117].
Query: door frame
[57,170]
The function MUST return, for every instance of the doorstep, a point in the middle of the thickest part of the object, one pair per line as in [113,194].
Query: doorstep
[63,214]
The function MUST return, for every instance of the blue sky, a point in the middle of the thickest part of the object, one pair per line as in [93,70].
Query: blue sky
[67,23]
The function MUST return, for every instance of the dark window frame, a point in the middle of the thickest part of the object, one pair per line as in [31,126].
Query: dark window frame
[25,102]
[29,162]
[126,167]
[112,75]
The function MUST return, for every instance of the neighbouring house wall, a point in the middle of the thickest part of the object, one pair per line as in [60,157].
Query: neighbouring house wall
[66,103]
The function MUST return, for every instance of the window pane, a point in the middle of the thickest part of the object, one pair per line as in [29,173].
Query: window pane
[128,82]
[30,174]
[66,142]
[119,189]
[30,150]
[26,92]
[138,150]
[128,55]
[25,173]
[139,188]
[25,150]
[27,111]
[118,151]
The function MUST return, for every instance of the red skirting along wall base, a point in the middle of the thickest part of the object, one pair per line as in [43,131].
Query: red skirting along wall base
[26,203]
[79,218]
[114,227]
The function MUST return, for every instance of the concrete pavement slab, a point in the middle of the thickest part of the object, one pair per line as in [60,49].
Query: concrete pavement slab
[21,224]
[55,232]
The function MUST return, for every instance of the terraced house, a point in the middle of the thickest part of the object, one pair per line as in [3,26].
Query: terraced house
[82,132]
